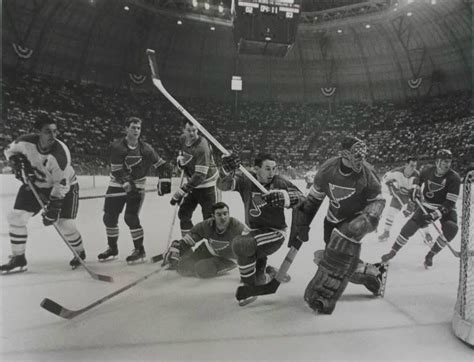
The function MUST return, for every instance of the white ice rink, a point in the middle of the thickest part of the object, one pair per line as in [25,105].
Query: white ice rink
[168,317]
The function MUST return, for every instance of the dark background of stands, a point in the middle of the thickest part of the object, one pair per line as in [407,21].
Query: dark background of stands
[83,55]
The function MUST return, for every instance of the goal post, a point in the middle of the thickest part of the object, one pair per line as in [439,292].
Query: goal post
[463,320]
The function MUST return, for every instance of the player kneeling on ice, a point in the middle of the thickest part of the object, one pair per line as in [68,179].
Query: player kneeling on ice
[355,206]
[206,251]
[264,215]
[441,186]
[130,161]
[44,161]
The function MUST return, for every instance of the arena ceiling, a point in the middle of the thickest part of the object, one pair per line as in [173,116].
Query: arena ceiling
[357,50]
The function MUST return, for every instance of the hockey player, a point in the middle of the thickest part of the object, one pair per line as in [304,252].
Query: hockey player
[438,190]
[399,182]
[264,214]
[309,178]
[355,206]
[46,162]
[198,165]
[131,159]
[213,255]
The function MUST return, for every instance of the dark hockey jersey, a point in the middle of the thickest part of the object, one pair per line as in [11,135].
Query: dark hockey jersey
[439,190]
[198,163]
[132,164]
[218,244]
[348,194]
[258,213]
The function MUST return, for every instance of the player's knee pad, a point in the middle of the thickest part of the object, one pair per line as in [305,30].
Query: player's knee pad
[132,220]
[18,218]
[450,229]
[110,220]
[244,245]
[410,228]
[368,275]
[337,265]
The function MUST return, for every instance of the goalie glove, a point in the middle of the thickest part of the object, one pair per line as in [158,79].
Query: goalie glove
[52,211]
[22,167]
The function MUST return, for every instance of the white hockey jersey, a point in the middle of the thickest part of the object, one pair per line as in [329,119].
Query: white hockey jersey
[52,169]
[403,183]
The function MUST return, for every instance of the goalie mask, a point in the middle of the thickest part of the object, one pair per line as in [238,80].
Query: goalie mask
[354,150]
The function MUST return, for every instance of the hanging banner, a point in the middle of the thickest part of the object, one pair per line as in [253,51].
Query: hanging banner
[415,83]
[137,78]
[22,52]
[328,91]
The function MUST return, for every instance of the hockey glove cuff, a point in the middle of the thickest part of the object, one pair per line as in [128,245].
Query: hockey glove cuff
[230,163]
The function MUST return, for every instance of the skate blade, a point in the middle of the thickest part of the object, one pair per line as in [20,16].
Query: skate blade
[247,301]
[138,261]
[16,270]
[74,267]
[111,258]
[427,267]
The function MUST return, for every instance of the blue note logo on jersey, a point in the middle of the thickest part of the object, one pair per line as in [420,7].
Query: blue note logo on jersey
[339,193]
[257,202]
[185,158]
[434,187]
[131,161]
[219,245]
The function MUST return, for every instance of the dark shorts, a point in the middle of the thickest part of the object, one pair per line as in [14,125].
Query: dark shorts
[25,200]
[115,205]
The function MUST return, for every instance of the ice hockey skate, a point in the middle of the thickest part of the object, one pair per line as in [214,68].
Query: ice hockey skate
[428,263]
[383,268]
[389,256]
[75,262]
[109,254]
[16,264]
[138,255]
[384,236]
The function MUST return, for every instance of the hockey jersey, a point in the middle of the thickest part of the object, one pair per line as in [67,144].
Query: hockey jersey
[439,190]
[198,163]
[404,183]
[218,244]
[258,213]
[132,164]
[348,194]
[52,169]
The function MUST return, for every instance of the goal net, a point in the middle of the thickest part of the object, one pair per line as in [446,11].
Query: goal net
[463,320]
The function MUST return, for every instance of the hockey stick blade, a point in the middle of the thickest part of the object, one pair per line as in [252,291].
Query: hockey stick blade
[53,307]
[156,258]
[247,291]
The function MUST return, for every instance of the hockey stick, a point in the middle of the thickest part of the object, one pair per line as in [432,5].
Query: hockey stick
[55,308]
[456,253]
[423,235]
[104,278]
[158,84]
[247,291]
[107,196]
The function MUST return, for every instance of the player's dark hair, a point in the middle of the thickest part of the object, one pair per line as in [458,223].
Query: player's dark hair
[219,205]
[263,157]
[131,120]
[411,159]
[186,121]
[43,119]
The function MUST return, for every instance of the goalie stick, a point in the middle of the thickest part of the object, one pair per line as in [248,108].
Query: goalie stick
[158,84]
[456,253]
[55,308]
[101,277]
[247,291]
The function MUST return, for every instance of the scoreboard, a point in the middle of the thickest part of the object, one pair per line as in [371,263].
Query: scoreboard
[266,27]
[289,8]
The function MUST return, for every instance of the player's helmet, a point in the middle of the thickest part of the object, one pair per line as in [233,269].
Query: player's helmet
[354,150]
[444,154]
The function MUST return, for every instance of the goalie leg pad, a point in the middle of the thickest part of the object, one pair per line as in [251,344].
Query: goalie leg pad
[339,262]
[369,275]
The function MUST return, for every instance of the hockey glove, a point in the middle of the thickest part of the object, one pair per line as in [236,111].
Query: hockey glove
[129,187]
[432,216]
[172,255]
[164,186]
[52,211]
[230,162]
[178,195]
[407,213]
[21,166]
[277,198]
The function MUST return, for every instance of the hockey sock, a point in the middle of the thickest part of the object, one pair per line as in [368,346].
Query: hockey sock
[112,236]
